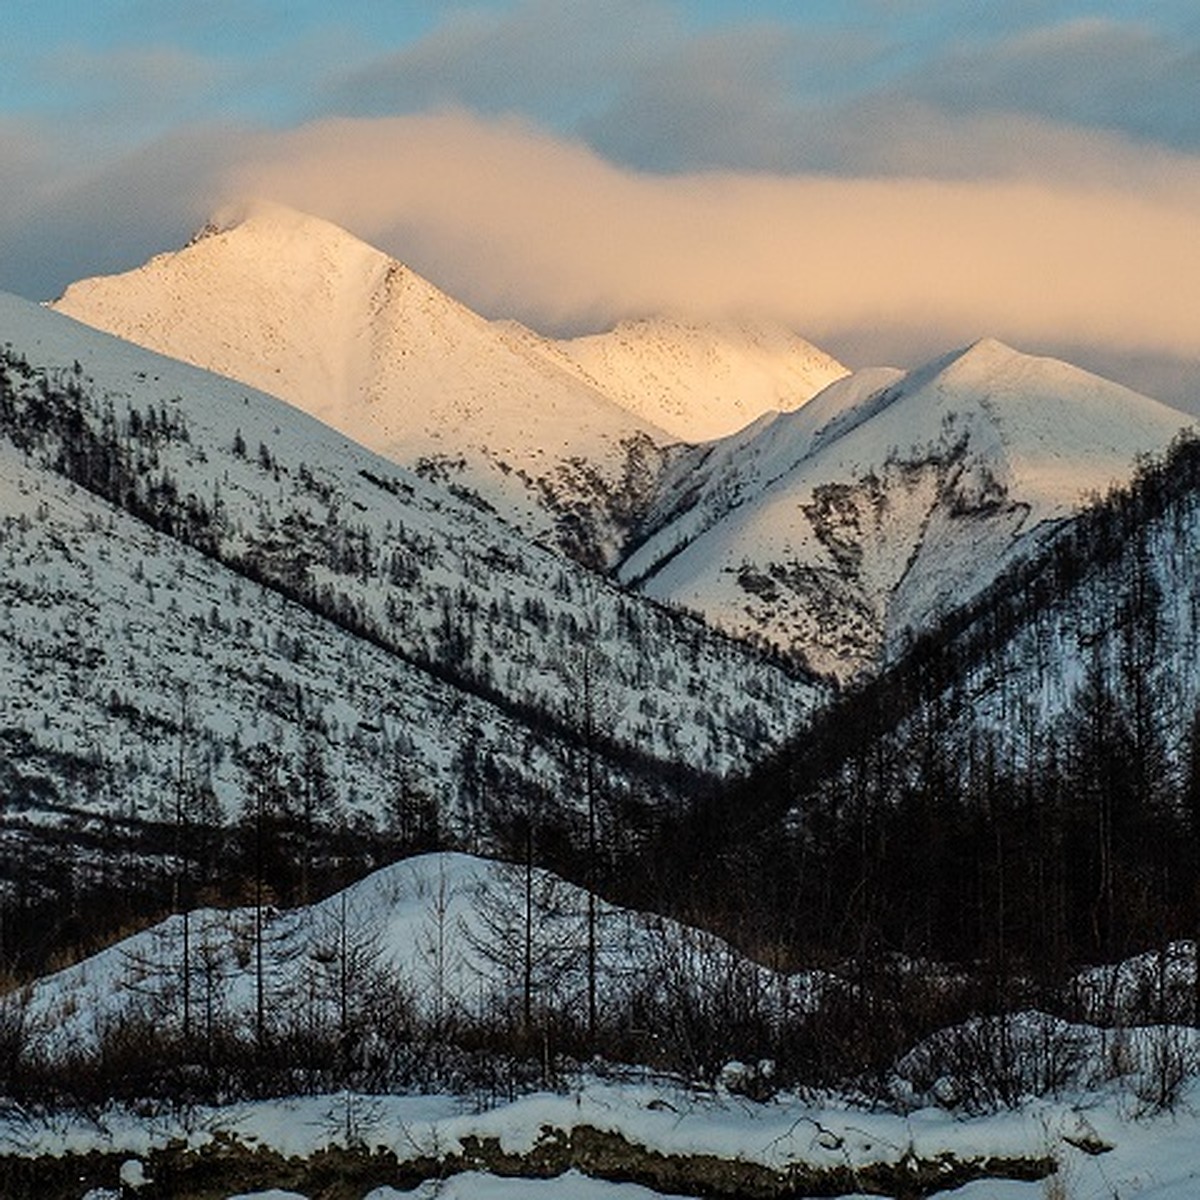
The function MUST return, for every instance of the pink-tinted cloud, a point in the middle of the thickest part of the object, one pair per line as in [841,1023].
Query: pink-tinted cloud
[1082,244]
[512,219]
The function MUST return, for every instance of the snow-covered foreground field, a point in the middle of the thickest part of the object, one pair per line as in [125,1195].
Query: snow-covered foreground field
[1103,1149]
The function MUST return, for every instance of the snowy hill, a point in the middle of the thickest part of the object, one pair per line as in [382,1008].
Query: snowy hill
[441,935]
[834,530]
[163,526]
[432,948]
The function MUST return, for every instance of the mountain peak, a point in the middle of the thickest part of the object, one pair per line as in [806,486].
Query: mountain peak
[988,354]
[288,303]
[991,367]
[981,357]
[698,379]
[989,347]
[268,217]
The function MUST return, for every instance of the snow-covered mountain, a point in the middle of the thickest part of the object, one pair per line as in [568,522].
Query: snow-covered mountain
[887,499]
[1097,637]
[297,307]
[562,438]
[165,528]
[826,526]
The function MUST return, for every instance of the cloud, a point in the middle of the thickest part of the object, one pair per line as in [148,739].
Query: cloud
[67,223]
[911,139]
[648,85]
[28,165]
[1101,265]
[131,84]
[510,218]
[631,77]
[721,99]
[1092,72]
[540,57]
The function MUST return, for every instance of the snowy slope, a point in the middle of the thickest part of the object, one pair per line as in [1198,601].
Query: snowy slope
[292,578]
[885,500]
[1112,609]
[299,308]
[701,381]
[110,628]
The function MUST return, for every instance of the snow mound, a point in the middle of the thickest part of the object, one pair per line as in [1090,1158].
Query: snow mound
[445,933]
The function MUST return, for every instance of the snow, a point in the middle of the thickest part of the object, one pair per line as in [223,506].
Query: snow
[1150,1156]
[702,381]
[269,1194]
[296,307]
[133,1174]
[142,611]
[471,1185]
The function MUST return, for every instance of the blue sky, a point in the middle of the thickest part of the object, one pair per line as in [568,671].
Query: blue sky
[123,123]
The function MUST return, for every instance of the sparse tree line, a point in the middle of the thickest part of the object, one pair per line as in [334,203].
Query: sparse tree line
[841,890]
[241,1006]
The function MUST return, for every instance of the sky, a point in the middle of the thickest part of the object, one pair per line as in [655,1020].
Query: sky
[890,178]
